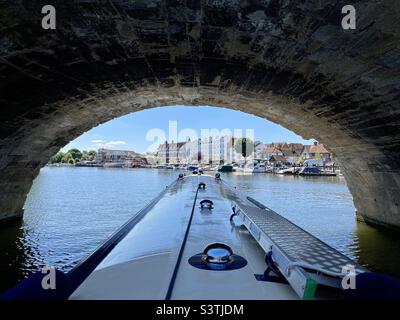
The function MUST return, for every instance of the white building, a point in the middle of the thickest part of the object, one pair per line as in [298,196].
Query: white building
[267,152]
[208,150]
[212,150]
[258,149]
[315,151]
[177,152]
[151,158]
[108,155]
[172,153]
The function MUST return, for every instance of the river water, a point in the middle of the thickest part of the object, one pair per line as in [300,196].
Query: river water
[70,211]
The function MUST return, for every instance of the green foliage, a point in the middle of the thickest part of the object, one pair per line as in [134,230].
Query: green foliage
[73,156]
[88,155]
[92,155]
[57,158]
[68,158]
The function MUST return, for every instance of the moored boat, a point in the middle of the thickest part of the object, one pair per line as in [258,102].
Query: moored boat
[292,170]
[225,168]
[248,170]
[253,168]
[314,171]
[309,171]
[259,168]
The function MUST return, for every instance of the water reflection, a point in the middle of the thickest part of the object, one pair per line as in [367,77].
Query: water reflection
[378,249]
[14,254]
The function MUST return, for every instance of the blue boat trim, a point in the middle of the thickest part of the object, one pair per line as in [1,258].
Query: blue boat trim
[31,288]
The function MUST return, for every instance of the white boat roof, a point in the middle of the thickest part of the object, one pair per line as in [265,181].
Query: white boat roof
[141,266]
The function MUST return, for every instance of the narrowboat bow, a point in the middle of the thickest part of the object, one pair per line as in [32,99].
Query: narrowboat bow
[201,239]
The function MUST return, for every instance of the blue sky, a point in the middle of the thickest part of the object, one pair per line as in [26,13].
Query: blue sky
[142,131]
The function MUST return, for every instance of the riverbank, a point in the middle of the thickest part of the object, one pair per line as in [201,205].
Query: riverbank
[60,165]
[296,170]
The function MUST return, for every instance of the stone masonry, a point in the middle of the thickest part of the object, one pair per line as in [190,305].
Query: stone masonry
[287,61]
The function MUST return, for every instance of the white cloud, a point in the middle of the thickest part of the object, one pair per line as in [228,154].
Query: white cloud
[107,144]
[115,143]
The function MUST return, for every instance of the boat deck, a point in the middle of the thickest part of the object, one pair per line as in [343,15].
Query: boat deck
[142,264]
[299,256]
[152,260]
[297,244]
[210,226]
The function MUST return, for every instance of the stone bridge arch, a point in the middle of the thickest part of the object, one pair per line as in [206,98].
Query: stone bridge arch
[286,61]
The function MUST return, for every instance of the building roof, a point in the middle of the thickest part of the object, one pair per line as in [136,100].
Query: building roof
[306,148]
[293,149]
[297,147]
[272,150]
[289,152]
[318,148]
[279,144]
[287,149]
[277,158]
[112,151]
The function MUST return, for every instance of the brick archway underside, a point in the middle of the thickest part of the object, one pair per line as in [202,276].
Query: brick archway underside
[286,61]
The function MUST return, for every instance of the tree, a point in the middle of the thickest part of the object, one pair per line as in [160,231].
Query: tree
[57,158]
[245,147]
[92,155]
[75,154]
[88,155]
[68,158]
[85,156]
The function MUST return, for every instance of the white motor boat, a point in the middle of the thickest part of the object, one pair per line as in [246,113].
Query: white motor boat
[248,168]
[253,168]
[201,239]
[259,168]
[292,170]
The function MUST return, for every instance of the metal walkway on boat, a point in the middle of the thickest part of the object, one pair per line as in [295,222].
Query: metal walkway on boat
[304,260]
